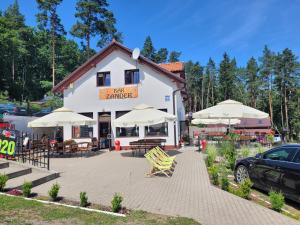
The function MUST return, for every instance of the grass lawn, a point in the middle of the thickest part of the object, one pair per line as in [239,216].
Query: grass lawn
[15,210]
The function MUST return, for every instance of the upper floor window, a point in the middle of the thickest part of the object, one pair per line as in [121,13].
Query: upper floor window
[103,79]
[132,76]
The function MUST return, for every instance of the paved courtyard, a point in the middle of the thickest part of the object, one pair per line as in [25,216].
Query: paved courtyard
[187,193]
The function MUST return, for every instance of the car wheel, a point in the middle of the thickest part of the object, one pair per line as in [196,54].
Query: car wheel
[241,173]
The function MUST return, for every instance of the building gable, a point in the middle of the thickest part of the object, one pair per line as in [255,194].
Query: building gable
[93,61]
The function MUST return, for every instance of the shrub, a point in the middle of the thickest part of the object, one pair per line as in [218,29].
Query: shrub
[277,200]
[116,202]
[270,138]
[26,188]
[260,149]
[53,192]
[3,180]
[225,183]
[83,199]
[229,153]
[245,151]
[214,173]
[245,188]
[211,155]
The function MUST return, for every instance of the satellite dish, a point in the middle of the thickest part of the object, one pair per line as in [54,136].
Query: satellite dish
[136,53]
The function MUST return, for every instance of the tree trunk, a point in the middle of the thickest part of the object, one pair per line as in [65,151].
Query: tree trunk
[281,110]
[207,94]
[270,100]
[270,106]
[88,44]
[286,111]
[53,59]
[212,92]
[202,93]
[13,68]
[195,103]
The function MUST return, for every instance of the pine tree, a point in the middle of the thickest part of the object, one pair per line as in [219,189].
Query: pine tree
[148,49]
[15,22]
[287,83]
[15,18]
[94,19]
[227,78]
[161,55]
[174,56]
[266,76]
[252,81]
[49,20]
[210,82]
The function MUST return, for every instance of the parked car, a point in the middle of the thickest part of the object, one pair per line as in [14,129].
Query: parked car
[277,138]
[7,109]
[20,111]
[43,112]
[276,169]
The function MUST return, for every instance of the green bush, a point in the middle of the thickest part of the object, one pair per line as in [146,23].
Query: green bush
[116,202]
[270,138]
[83,199]
[53,192]
[225,183]
[245,152]
[3,180]
[229,152]
[277,200]
[259,149]
[214,173]
[26,188]
[245,188]
[34,107]
[211,155]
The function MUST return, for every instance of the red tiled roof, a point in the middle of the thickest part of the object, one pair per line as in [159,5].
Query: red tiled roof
[92,62]
[173,67]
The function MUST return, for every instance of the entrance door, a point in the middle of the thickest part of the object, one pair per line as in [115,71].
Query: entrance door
[105,129]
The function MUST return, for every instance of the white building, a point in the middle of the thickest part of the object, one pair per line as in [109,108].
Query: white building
[111,83]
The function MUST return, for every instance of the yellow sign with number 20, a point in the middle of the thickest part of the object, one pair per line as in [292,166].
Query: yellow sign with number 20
[7,147]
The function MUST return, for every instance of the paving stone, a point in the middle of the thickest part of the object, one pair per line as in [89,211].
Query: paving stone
[187,193]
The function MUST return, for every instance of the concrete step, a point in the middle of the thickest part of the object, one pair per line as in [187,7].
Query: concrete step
[14,171]
[37,177]
[4,165]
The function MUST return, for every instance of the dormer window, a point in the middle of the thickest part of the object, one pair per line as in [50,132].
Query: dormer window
[132,76]
[103,79]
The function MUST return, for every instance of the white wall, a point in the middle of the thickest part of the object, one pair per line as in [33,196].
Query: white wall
[83,97]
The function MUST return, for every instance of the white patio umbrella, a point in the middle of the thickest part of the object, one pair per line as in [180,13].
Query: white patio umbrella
[143,115]
[215,121]
[229,109]
[60,117]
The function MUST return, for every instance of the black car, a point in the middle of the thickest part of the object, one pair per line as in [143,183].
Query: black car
[277,169]
[20,111]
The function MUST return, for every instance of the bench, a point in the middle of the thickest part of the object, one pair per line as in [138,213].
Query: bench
[146,144]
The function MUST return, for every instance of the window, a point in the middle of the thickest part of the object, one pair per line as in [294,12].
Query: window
[157,129]
[282,154]
[132,76]
[297,158]
[83,131]
[103,79]
[126,131]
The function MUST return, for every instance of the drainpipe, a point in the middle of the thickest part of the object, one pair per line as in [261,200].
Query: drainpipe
[174,113]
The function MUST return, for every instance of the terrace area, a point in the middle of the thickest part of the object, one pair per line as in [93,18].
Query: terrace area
[187,193]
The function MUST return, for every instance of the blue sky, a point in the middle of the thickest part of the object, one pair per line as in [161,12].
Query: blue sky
[199,29]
